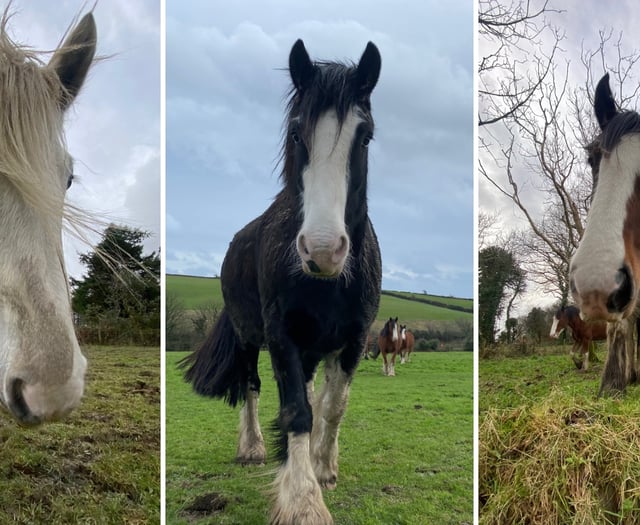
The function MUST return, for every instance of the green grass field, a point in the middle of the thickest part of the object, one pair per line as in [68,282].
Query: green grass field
[101,465]
[196,291]
[406,448]
[550,450]
[455,301]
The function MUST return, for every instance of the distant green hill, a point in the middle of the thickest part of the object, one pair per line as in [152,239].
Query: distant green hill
[196,291]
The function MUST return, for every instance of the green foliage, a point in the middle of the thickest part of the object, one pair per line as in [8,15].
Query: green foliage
[101,464]
[406,447]
[536,325]
[119,297]
[498,270]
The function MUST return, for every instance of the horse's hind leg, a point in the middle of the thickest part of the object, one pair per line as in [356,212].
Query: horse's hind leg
[251,443]
[327,415]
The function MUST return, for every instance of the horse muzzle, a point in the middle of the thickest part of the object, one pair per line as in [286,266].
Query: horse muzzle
[610,299]
[34,404]
[323,258]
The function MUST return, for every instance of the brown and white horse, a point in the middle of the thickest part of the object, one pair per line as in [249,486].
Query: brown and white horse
[41,366]
[581,332]
[389,343]
[407,342]
[605,270]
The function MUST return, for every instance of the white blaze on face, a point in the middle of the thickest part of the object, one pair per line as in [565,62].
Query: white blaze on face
[394,336]
[601,253]
[322,240]
[554,327]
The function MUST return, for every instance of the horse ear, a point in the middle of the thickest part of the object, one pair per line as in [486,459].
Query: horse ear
[72,61]
[368,70]
[301,68]
[604,105]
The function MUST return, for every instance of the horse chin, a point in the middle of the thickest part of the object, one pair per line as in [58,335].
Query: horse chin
[322,273]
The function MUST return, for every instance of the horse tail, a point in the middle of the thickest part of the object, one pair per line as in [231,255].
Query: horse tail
[217,368]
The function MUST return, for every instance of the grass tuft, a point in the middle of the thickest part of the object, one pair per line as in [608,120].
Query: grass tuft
[550,451]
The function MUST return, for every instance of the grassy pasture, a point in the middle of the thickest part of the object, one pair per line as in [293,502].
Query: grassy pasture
[101,465]
[455,301]
[196,291]
[406,448]
[550,451]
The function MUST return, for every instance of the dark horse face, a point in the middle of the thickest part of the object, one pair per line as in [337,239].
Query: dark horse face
[605,270]
[329,126]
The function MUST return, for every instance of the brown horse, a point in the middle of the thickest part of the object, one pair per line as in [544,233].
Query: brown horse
[582,333]
[407,341]
[389,343]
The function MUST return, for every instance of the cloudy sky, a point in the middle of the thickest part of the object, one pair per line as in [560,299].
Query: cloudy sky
[113,129]
[225,102]
[580,22]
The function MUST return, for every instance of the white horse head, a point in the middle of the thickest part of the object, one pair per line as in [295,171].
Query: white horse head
[41,365]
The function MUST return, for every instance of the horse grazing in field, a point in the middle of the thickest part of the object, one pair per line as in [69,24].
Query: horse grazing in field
[581,332]
[41,365]
[304,278]
[407,342]
[389,343]
[605,270]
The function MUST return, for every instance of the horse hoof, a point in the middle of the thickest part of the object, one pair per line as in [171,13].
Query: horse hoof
[330,483]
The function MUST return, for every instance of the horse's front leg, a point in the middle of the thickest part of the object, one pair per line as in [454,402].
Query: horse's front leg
[620,348]
[298,496]
[585,354]
[327,415]
[385,366]
[392,364]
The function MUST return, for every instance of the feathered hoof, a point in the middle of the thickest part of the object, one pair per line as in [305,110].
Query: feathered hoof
[251,455]
[307,515]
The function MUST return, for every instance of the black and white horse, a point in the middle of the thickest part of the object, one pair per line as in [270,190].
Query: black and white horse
[605,270]
[304,278]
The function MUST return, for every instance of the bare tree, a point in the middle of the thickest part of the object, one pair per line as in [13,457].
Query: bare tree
[536,157]
[509,73]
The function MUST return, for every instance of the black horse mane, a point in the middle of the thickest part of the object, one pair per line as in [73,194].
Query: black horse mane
[571,311]
[620,125]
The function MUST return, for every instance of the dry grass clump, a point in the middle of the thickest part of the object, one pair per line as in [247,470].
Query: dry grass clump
[561,461]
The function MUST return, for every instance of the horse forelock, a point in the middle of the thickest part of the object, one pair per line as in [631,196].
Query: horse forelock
[333,87]
[32,144]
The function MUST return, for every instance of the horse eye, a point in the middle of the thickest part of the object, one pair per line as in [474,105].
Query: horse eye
[69,180]
[367,140]
[295,137]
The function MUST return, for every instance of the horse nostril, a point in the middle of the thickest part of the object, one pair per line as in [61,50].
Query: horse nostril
[302,245]
[621,297]
[342,247]
[18,405]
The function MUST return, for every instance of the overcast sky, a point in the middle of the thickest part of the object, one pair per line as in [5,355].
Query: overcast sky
[113,129]
[581,22]
[225,107]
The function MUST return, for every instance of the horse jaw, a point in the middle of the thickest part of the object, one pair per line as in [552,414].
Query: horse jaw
[322,242]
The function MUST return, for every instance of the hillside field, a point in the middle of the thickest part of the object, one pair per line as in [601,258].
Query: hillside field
[196,291]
